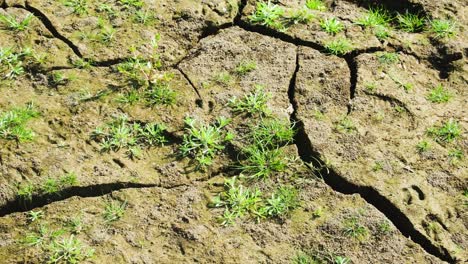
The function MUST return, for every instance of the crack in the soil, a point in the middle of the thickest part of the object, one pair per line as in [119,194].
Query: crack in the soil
[200,101]
[340,184]
[48,24]
[18,205]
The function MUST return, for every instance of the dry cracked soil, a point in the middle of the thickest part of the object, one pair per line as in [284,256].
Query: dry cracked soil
[225,131]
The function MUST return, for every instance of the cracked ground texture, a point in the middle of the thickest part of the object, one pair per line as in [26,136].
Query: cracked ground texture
[354,158]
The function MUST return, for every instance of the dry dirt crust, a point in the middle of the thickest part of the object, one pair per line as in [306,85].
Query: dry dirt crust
[224,131]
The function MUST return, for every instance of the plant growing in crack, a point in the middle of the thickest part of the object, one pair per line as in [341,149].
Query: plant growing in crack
[378,20]
[268,14]
[410,22]
[316,5]
[203,142]
[339,46]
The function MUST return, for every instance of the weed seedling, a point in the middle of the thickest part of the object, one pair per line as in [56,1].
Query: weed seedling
[272,133]
[317,213]
[12,23]
[25,191]
[245,67]
[223,78]
[375,17]
[439,95]
[353,228]
[12,123]
[446,133]
[203,142]
[388,57]
[281,202]
[339,46]
[378,166]
[120,133]
[50,186]
[132,3]
[423,146]
[68,250]
[332,26]
[410,22]
[75,225]
[253,103]
[384,227]
[302,16]
[144,17]
[268,14]
[114,210]
[33,216]
[455,156]
[261,163]
[80,7]
[346,125]
[316,5]
[238,201]
[442,28]
[341,260]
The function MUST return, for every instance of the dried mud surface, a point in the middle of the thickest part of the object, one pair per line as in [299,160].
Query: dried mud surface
[355,117]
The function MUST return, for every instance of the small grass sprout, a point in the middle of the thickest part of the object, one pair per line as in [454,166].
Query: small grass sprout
[353,228]
[316,5]
[375,17]
[80,7]
[410,22]
[446,133]
[297,16]
[12,123]
[114,210]
[261,162]
[388,57]
[203,142]
[423,146]
[455,156]
[34,216]
[281,202]
[443,28]
[120,133]
[253,103]
[68,250]
[245,67]
[12,23]
[272,133]
[346,125]
[439,95]
[268,14]
[238,201]
[331,25]
[339,46]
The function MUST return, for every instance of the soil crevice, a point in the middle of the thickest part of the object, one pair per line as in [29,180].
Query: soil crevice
[18,205]
[338,183]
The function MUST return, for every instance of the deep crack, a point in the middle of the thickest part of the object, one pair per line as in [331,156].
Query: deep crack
[340,184]
[20,205]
